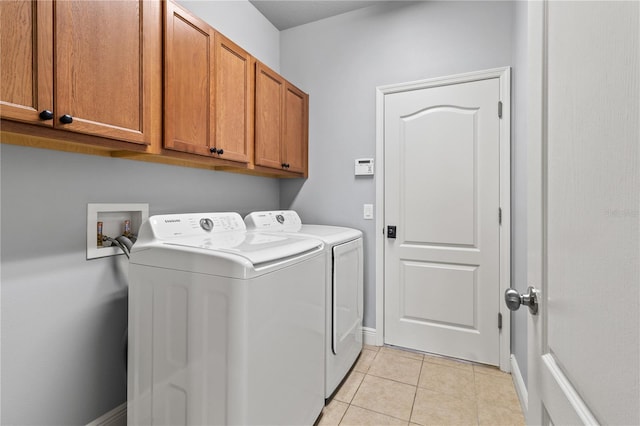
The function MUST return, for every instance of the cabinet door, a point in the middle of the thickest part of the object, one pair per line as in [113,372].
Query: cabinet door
[26,43]
[107,64]
[295,139]
[233,93]
[188,83]
[269,116]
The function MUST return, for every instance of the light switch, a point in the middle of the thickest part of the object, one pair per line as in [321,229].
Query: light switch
[368,211]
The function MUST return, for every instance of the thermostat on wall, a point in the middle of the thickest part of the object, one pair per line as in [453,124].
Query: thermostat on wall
[364,167]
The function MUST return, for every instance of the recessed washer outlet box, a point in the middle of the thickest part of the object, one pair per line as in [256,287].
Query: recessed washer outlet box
[112,217]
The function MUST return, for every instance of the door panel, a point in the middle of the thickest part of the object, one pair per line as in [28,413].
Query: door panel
[294,149]
[442,191]
[26,43]
[584,235]
[189,82]
[233,100]
[422,287]
[106,63]
[269,116]
[446,156]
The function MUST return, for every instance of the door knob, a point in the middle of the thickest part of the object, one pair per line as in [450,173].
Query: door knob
[513,299]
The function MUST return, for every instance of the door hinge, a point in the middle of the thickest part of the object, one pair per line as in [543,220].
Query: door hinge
[499,109]
[499,215]
[499,320]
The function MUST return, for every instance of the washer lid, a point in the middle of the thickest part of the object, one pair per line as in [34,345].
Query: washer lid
[256,248]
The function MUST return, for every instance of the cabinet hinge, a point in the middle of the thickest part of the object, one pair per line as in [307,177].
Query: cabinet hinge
[499,320]
[499,109]
[499,215]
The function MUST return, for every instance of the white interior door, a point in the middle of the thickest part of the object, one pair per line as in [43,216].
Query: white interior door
[584,199]
[442,195]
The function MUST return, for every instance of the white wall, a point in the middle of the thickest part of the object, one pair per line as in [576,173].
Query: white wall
[339,61]
[63,317]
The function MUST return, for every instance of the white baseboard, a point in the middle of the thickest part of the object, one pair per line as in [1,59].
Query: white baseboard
[518,382]
[115,417]
[369,336]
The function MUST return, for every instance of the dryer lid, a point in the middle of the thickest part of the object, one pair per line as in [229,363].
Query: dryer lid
[288,221]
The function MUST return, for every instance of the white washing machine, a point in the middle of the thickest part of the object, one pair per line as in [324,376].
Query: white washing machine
[344,281]
[225,327]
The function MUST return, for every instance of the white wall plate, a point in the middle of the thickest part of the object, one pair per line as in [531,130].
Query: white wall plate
[112,217]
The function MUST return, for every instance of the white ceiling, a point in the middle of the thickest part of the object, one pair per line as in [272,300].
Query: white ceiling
[285,14]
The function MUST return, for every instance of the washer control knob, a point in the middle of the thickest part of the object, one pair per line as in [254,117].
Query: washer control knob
[206,224]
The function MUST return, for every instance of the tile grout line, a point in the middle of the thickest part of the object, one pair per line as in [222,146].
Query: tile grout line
[383,378]
[475,394]
[415,395]
[366,373]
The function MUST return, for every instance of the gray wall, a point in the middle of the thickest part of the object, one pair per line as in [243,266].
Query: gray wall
[519,180]
[63,317]
[341,60]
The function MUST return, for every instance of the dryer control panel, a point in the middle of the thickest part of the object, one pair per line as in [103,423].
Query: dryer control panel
[277,220]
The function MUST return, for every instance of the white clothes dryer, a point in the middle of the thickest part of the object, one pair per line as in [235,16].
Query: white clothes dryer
[344,286]
[225,327]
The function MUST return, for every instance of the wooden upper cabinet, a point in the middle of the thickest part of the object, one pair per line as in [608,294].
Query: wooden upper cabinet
[26,44]
[281,129]
[189,108]
[208,90]
[107,58]
[269,115]
[296,125]
[233,100]
[108,67]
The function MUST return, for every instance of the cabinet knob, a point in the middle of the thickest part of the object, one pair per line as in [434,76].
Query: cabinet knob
[285,165]
[220,151]
[46,115]
[66,119]
[213,150]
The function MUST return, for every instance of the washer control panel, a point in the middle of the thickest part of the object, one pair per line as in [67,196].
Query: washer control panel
[194,224]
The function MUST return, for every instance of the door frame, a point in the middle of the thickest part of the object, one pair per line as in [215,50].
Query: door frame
[504,76]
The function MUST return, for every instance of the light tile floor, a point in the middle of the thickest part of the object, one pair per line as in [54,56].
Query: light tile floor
[389,386]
